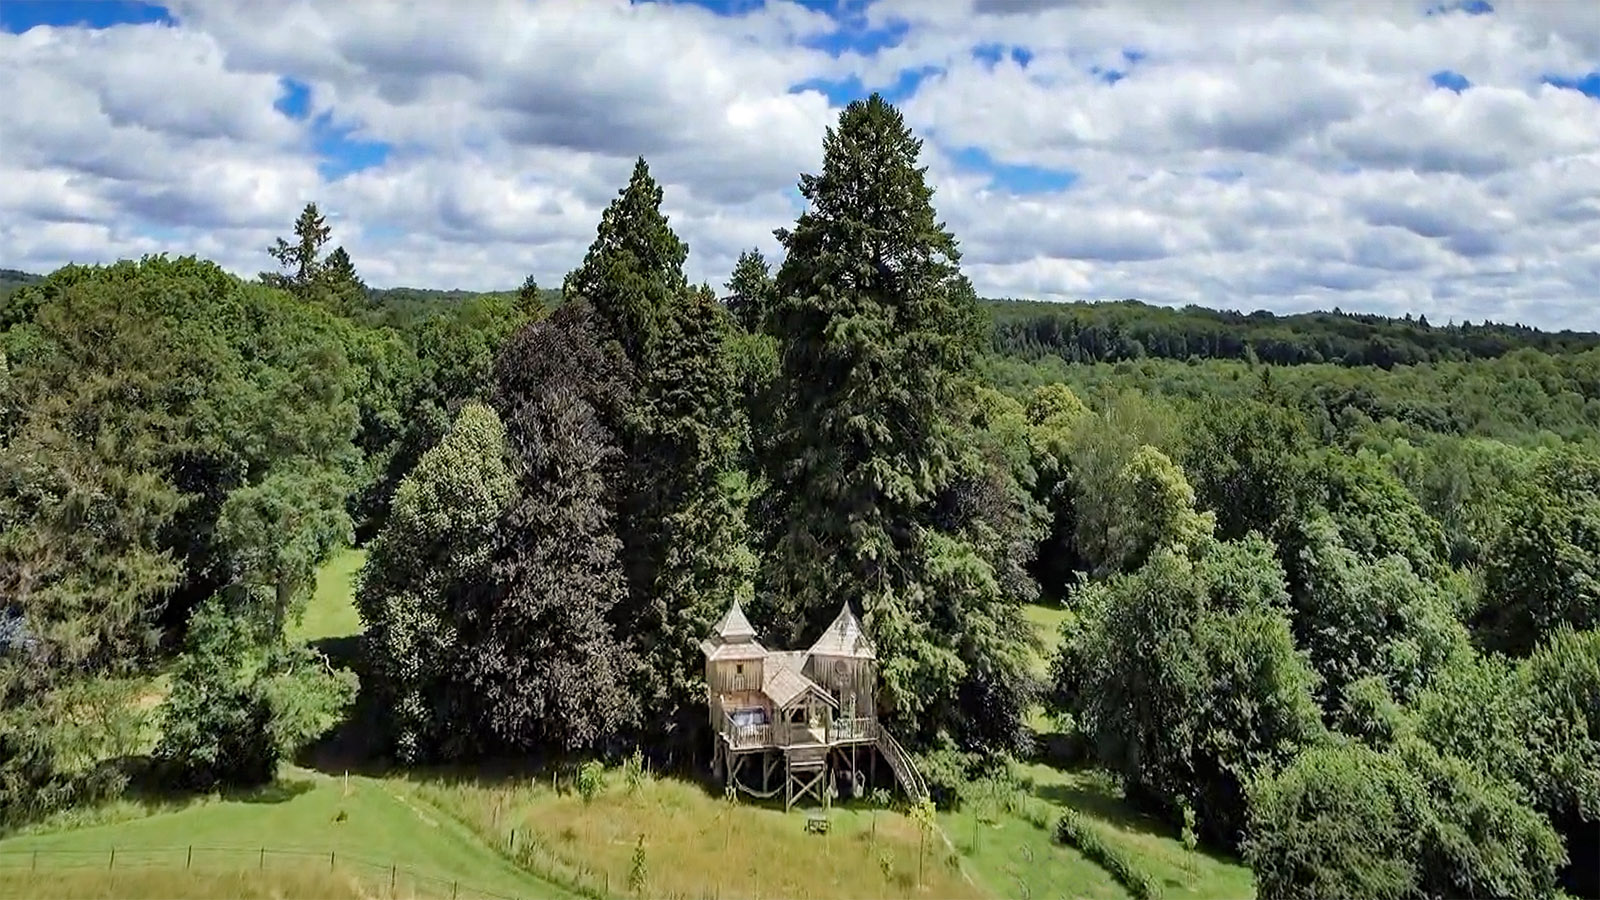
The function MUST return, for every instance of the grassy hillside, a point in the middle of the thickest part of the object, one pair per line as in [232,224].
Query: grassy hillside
[373,824]
[698,845]
[450,829]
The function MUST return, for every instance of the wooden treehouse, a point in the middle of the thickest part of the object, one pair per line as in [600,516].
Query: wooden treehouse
[814,713]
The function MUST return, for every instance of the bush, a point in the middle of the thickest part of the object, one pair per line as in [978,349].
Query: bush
[591,778]
[1075,831]
[236,708]
[633,771]
[216,726]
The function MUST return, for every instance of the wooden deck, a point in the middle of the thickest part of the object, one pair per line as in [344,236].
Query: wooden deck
[783,735]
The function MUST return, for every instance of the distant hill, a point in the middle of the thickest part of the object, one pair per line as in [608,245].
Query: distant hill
[11,279]
[1130,329]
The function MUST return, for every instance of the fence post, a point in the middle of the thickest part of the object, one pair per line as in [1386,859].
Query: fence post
[454,886]
[391,879]
[262,864]
[513,841]
[188,858]
[330,860]
[35,860]
[113,863]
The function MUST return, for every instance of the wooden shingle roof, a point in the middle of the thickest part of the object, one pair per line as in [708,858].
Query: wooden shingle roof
[845,637]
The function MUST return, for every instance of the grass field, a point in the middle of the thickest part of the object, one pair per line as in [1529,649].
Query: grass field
[188,885]
[1046,620]
[383,823]
[452,835]
[331,611]
[698,845]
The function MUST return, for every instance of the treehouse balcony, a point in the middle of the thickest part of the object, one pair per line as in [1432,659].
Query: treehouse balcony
[753,729]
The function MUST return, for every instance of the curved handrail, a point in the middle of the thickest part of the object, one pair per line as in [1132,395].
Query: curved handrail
[904,769]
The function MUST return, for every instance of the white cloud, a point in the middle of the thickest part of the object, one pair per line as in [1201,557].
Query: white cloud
[1254,154]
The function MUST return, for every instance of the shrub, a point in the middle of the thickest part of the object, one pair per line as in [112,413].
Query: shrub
[591,778]
[633,771]
[1076,832]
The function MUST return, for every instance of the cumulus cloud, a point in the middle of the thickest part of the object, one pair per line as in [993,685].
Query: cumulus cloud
[1259,154]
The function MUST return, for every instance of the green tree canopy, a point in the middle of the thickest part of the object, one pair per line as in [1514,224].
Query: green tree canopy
[1185,675]
[432,559]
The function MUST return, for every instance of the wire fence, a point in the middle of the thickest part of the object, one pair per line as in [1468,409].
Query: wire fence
[396,879]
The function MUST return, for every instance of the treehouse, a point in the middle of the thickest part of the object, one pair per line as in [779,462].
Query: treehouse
[814,712]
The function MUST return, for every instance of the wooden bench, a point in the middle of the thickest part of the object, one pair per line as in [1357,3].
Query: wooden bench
[816,823]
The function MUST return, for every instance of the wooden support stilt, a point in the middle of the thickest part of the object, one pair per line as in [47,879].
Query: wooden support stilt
[769,762]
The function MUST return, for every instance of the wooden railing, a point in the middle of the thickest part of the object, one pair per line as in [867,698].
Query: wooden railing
[857,729]
[746,735]
[905,770]
[786,734]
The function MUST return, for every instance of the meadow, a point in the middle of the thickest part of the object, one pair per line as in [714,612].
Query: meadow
[450,833]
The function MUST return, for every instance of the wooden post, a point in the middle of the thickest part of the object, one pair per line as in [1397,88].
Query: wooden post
[391,879]
[189,859]
[35,861]
[113,863]
[330,860]
[263,862]
[454,886]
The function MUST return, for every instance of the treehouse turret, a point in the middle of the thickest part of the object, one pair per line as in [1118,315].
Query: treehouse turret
[734,660]
[844,663]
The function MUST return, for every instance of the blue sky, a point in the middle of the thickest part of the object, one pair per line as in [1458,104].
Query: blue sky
[1396,156]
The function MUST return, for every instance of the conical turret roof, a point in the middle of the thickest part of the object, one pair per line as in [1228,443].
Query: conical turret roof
[845,637]
[733,627]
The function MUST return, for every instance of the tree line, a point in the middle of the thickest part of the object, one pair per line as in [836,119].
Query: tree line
[1129,329]
[1343,618]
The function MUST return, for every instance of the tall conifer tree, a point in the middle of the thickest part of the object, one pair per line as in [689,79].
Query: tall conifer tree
[680,515]
[878,332]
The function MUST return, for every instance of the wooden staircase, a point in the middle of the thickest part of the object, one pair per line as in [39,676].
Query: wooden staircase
[905,771]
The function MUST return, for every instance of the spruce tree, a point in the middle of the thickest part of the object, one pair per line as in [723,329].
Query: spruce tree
[303,258]
[678,500]
[751,290]
[878,334]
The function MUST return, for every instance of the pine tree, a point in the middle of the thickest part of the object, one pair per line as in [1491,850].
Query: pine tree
[633,270]
[303,258]
[680,510]
[878,334]
[751,290]
[546,665]
[346,290]
[528,300]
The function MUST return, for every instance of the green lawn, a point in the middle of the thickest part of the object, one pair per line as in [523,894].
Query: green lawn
[331,612]
[1012,857]
[299,823]
[1200,874]
[1046,621]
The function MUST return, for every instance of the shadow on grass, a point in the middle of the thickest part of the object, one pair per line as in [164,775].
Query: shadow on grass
[280,791]
[1104,802]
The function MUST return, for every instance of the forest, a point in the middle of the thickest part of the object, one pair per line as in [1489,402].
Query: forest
[1329,584]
